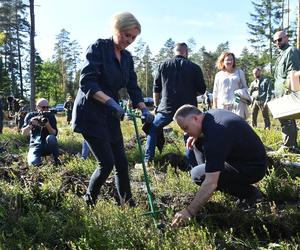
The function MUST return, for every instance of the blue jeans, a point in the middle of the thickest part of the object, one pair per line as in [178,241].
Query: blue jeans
[160,121]
[85,150]
[36,151]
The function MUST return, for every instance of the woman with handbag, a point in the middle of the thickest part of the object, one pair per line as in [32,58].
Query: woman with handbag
[227,81]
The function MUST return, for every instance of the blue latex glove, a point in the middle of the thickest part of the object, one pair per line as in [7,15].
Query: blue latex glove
[147,116]
[117,110]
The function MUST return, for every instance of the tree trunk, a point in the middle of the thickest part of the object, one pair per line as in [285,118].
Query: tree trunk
[11,69]
[32,56]
[270,39]
[298,28]
[20,63]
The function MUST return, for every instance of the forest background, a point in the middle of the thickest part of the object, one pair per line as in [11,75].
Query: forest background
[42,208]
[25,75]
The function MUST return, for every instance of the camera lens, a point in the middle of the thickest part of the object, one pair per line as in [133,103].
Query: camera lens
[44,120]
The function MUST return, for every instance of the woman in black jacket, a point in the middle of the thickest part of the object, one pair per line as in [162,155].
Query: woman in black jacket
[96,114]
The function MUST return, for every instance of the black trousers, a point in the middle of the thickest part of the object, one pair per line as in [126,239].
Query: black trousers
[265,113]
[289,132]
[109,155]
[234,180]
[238,181]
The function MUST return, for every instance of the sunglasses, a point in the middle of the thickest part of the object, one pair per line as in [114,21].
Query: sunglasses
[44,107]
[279,40]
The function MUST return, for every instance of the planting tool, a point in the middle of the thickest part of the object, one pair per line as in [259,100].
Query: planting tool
[153,208]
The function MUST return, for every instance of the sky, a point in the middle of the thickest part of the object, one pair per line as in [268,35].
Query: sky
[209,23]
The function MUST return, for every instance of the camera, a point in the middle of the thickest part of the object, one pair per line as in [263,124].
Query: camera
[42,120]
[42,117]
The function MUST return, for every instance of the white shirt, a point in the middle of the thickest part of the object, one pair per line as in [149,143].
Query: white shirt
[225,84]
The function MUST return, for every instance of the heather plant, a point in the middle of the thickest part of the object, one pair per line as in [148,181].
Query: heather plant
[42,207]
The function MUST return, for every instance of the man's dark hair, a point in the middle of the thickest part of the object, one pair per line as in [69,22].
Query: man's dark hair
[185,111]
[181,48]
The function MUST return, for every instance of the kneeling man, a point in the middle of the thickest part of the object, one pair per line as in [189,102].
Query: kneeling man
[235,157]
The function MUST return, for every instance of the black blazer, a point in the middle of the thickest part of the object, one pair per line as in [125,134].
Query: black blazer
[103,72]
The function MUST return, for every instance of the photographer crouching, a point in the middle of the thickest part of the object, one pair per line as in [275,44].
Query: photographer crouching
[41,125]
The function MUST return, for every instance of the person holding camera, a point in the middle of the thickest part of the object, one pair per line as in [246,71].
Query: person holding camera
[97,113]
[42,128]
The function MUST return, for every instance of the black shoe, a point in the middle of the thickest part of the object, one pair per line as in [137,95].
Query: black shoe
[131,203]
[57,162]
[249,202]
[89,200]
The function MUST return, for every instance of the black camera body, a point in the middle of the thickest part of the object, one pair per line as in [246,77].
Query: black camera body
[43,117]
[42,120]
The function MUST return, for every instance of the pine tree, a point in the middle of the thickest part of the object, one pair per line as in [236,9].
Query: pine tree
[15,27]
[32,55]
[267,18]
[167,52]
[144,67]
[67,56]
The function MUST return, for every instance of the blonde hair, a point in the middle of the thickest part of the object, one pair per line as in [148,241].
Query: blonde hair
[125,20]
[221,58]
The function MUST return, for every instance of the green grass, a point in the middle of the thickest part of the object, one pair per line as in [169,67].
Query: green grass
[42,208]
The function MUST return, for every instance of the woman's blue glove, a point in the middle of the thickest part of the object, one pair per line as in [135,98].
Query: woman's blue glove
[117,110]
[147,117]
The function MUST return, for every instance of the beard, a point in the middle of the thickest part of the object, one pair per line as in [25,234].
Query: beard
[281,45]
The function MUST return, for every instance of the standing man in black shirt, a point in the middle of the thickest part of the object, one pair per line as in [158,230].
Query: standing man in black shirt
[235,157]
[177,82]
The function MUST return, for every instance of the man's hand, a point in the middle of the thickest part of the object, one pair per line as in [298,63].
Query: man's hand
[147,115]
[181,218]
[190,142]
[34,121]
